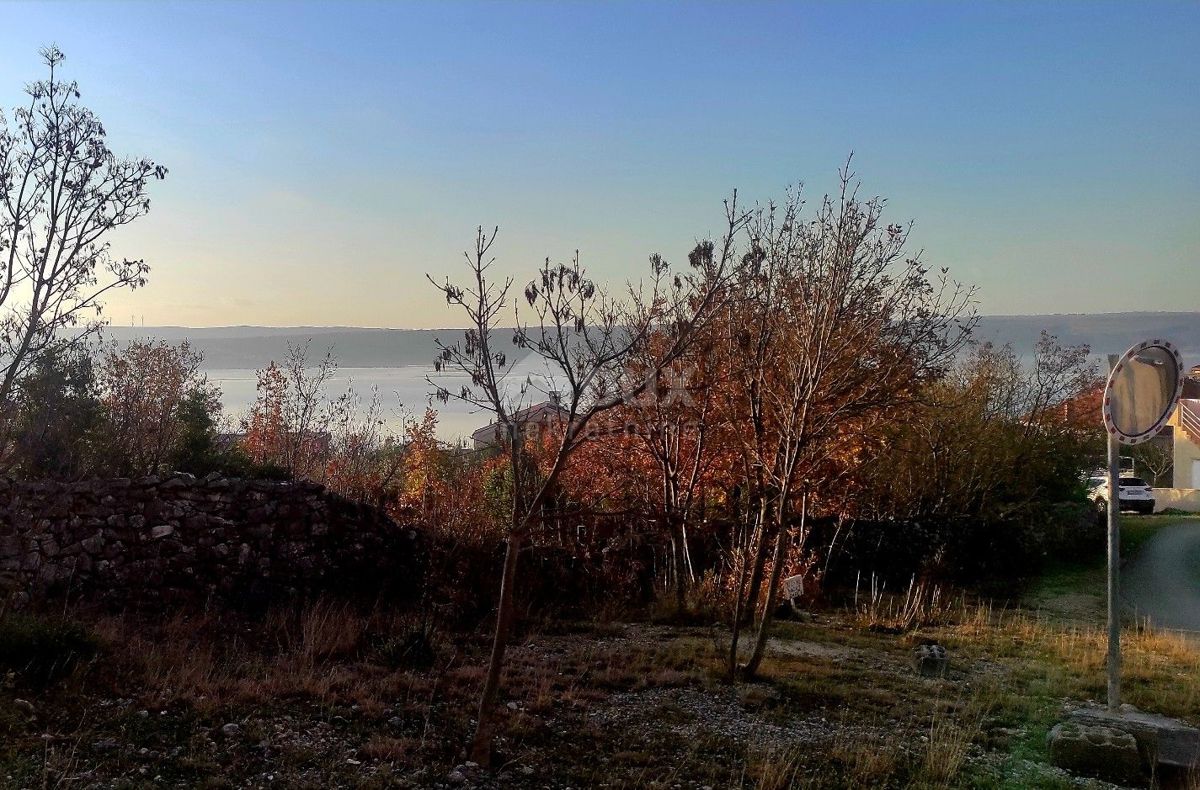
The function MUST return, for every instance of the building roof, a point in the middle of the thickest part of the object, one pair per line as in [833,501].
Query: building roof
[540,413]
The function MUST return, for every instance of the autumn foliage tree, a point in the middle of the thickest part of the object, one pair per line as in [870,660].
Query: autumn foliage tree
[663,455]
[290,425]
[145,388]
[834,322]
[995,441]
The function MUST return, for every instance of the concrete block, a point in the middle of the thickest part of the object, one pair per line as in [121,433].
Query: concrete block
[1093,750]
[931,660]
[1163,742]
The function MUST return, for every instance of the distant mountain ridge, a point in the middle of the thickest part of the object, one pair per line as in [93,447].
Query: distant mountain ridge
[1104,333]
[250,347]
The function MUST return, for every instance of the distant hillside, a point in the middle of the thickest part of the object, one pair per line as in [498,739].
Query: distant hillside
[1105,333]
[253,347]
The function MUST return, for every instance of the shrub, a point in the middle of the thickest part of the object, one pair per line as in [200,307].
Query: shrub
[42,650]
[413,649]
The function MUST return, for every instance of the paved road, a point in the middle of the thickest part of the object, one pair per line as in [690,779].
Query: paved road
[1163,581]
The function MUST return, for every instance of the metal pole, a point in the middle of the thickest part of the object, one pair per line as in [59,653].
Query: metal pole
[1114,566]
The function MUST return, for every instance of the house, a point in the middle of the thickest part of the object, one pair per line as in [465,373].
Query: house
[1185,429]
[1186,424]
[537,420]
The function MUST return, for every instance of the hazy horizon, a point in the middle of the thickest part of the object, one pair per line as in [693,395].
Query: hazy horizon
[450,327]
[394,362]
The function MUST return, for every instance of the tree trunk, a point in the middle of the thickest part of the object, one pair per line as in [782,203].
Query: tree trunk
[758,541]
[768,614]
[682,576]
[687,553]
[481,744]
[739,610]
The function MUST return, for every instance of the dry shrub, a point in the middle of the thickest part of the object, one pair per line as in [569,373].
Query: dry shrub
[922,604]
[950,738]
[776,767]
[867,763]
[386,748]
[320,651]
[709,599]
[324,630]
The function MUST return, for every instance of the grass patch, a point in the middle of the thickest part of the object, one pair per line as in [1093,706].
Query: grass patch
[40,650]
[1136,530]
[1073,590]
[333,697]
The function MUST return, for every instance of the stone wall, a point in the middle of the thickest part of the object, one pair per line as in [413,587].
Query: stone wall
[182,539]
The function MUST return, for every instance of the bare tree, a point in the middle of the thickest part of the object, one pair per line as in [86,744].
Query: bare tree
[585,338]
[62,190]
[1157,458]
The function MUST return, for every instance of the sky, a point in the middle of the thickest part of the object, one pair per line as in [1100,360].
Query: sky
[324,157]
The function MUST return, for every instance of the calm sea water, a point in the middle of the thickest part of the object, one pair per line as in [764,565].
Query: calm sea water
[403,392]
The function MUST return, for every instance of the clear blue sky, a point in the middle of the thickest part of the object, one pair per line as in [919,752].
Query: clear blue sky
[324,156]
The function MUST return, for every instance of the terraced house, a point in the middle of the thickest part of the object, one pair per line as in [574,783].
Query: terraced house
[1185,429]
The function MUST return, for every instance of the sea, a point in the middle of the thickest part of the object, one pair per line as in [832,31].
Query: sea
[403,392]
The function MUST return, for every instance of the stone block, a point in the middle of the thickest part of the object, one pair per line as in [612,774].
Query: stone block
[931,660]
[1163,742]
[10,545]
[1093,750]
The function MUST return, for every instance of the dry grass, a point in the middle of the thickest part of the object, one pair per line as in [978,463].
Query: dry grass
[952,731]
[776,767]
[921,604]
[321,670]
[1160,669]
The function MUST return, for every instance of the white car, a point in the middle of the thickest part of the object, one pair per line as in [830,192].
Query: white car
[1136,494]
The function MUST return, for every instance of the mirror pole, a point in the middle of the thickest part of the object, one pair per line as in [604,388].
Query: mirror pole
[1114,564]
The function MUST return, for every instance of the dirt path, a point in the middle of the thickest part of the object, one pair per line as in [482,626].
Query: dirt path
[1163,581]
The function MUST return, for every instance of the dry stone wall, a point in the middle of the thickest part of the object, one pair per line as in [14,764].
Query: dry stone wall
[183,539]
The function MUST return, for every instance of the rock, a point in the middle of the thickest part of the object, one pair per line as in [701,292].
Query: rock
[10,545]
[104,745]
[931,660]
[1093,750]
[456,777]
[231,730]
[162,531]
